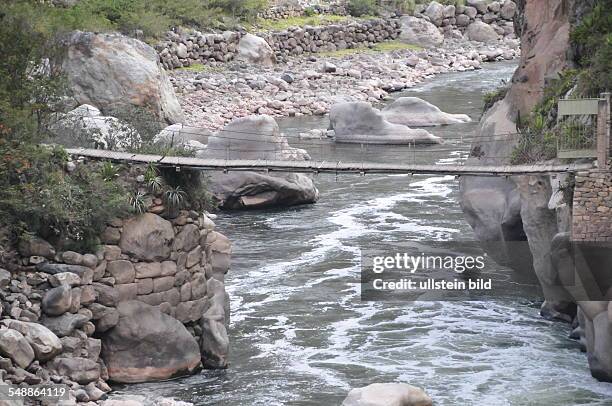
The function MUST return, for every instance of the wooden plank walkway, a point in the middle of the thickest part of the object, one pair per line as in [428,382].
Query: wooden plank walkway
[327,167]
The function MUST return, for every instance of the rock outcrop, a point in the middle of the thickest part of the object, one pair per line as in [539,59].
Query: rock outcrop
[387,394]
[415,112]
[257,137]
[527,208]
[359,122]
[111,71]
[148,345]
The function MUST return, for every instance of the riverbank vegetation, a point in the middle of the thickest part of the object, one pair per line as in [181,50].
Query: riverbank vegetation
[42,192]
[591,42]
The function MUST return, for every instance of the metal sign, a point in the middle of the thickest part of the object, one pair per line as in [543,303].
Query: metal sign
[572,107]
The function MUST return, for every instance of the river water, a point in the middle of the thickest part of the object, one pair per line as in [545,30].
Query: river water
[301,335]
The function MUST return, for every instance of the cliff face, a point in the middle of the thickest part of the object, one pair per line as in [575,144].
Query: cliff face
[493,206]
[529,208]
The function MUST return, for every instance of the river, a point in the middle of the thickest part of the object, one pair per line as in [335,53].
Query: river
[300,334]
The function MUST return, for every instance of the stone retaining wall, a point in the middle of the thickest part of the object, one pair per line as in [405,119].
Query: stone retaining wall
[61,312]
[186,48]
[592,207]
[281,11]
[497,14]
[298,40]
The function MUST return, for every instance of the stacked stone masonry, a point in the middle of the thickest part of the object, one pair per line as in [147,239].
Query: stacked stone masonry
[499,15]
[182,49]
[592,206]
[59,310]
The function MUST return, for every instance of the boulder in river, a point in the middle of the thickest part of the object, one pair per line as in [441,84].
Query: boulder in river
[112,70]
[415,112]
[359,122]
[418,31]
[387,394]
[148,345]
[257,138]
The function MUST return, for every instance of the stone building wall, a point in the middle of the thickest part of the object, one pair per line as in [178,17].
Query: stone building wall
[592,206]
[183,49]
[117,314]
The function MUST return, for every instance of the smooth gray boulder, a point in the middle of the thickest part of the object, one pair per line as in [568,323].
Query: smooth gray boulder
[418,31]
[359,122]
[147,237]
[257,138]
[45,344]
[112,70]
[415,112]
[254,49]
[387,394]
[481,32]
[148,345]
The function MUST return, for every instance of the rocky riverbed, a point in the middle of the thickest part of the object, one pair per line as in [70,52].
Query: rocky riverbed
[310,85]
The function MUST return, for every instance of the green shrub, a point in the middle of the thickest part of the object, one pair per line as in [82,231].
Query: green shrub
[358,8]
[592,43]
[309,12]
[493,97]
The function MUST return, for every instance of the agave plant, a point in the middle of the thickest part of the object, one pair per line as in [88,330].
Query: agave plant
[109,171]
[174,198]
[137,203]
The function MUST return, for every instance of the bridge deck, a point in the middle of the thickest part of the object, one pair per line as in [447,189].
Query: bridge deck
[327,166]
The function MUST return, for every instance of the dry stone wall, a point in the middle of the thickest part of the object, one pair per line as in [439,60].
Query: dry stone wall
[478,19]
[67,317]
[592,207]
[182,49]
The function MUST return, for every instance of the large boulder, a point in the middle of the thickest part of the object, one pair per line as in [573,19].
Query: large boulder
[359,122]
[481,32]
[112,70]
[85,126]
[418,31]
[45,344]
[387,394]
[147,237]
[257,138]
[412,111]
[254,49]
[148,345]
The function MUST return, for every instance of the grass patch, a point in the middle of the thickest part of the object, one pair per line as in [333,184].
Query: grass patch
[382,47]
[201,68]
[314,20]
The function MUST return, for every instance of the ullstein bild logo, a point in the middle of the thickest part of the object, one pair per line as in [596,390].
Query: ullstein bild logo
[463,271]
